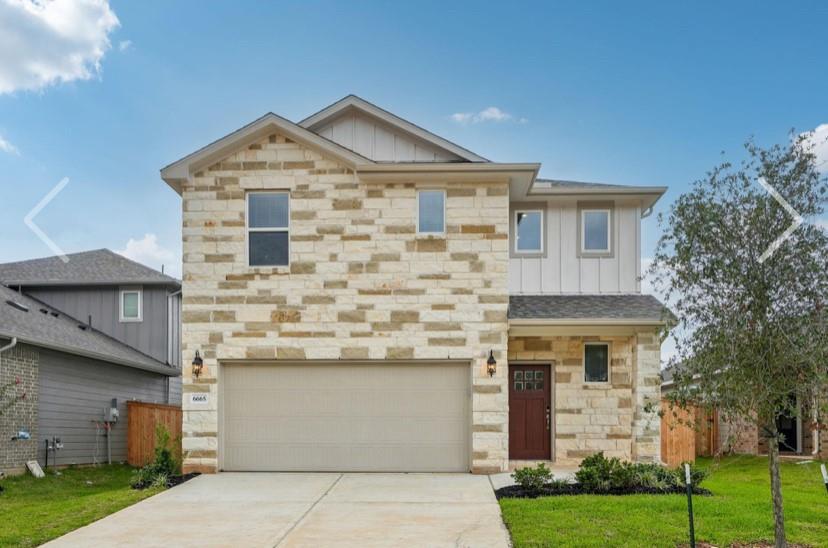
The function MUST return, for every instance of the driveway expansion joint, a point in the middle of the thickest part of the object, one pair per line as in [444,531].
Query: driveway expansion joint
[308,511]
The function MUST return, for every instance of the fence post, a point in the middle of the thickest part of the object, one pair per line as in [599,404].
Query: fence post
[688,481]
[824,476]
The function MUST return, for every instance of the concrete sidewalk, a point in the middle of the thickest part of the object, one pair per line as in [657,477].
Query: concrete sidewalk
[320,509]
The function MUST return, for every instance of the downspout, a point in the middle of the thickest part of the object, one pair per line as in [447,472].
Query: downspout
[9,346]
[815,429]
[169,337]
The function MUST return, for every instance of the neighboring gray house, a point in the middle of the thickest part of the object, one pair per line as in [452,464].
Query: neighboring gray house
[78,334]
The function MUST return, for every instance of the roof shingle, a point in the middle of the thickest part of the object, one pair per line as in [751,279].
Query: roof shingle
[587,307]
[101,266]
[42,325]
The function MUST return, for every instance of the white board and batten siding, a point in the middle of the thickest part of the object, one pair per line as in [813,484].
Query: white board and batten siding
[563,271]
[381,142]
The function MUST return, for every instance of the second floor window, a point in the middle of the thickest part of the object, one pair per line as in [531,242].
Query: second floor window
[130,305]
[268,228]
[431,212]
[595,230]
[528,231]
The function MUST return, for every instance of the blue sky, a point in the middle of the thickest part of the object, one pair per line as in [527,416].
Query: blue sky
[645,93]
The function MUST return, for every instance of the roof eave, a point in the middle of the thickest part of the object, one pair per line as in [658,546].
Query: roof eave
[85,283]
[448,172]
[177,173]
[162,369]
[643,322]
[649,195]
[352,101]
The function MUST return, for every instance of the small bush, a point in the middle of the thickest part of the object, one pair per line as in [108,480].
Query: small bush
[598,473]
[164,466]
[532,479]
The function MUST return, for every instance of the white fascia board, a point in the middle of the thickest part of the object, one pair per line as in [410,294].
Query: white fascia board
[585,322]
[178,172]
[314,121]
[448,172]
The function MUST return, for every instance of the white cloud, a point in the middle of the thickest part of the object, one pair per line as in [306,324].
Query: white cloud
[148,251]
[7,147]
[489,114]
[124,45]
[46,42]
[818,138]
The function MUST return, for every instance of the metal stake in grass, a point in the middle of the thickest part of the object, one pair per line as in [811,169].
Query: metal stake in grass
[824,476]
[688,481]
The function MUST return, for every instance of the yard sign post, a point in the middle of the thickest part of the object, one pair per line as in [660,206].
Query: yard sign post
[824,476]
[687,480]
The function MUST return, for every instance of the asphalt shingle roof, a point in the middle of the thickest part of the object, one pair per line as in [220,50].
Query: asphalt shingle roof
[558,183]
[100,266]
[586,307]
[42,325]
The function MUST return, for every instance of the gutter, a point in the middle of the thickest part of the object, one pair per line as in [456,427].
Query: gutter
[585,322]
[161,369]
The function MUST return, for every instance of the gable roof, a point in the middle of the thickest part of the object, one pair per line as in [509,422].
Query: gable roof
[352,102]
[177,172]
[97,267]
[44,326]
[593,309]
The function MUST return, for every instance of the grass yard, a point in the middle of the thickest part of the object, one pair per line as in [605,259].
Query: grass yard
[739,510]
[33,511]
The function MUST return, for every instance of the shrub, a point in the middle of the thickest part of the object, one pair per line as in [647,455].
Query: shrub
[532,479]
[164,465]
[598,473]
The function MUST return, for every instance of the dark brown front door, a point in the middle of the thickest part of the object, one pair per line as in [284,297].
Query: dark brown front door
[530,412]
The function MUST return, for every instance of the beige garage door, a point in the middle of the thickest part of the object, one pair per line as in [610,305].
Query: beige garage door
[346,417]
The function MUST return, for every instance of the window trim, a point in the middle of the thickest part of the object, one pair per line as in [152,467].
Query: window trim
[607,382]
[588,207]
[514,208]
[123,291]
[248,229]
[445,199]
[530,252]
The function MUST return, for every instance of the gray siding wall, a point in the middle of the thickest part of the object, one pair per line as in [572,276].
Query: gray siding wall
[73,393]
[148,336]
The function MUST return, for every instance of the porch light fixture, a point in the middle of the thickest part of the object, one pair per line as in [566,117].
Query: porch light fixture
[491,364]
[198,363]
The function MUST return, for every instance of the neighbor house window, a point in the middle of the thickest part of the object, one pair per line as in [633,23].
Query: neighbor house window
[130,305]
[268,219]
[595,230]
[528,231]
[431,212]
[596,362]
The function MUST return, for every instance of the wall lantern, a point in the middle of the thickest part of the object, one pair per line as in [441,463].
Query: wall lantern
[198,363]
[491,364]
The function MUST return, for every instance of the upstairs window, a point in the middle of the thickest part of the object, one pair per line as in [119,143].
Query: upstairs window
[528,231]
[431,212]
[596,362]
[130,305]
[268,228]
[595,230]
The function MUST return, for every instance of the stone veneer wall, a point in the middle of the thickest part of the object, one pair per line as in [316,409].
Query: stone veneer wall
[611,417]
[361,285]
[21,362]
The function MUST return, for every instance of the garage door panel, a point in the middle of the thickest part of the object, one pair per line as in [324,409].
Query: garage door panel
[372,417]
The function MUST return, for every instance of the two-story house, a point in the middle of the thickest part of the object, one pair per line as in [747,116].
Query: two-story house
[76,335]
[366,295]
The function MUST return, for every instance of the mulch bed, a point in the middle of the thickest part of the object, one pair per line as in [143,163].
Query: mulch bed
[172,481]
[516,491]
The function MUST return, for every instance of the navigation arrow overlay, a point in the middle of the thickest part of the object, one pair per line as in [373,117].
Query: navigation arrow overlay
[36,229]
[797,220]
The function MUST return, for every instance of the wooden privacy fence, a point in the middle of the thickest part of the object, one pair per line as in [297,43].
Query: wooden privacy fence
[678,437]
[141,421]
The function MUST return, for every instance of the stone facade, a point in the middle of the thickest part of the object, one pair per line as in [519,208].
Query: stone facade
[361,284]
[620,417]
[19,406]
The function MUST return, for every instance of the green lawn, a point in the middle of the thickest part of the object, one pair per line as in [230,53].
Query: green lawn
[33,511]
[739,510]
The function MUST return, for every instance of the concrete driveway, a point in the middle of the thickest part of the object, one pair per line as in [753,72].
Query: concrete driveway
[281,509]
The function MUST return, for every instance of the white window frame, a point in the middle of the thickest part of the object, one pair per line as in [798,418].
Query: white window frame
[140,293]
[609,363]
[540,249]
[443,192]
[248,229]
[608,212]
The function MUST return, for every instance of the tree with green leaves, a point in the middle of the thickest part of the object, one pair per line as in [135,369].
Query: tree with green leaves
[750,306]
